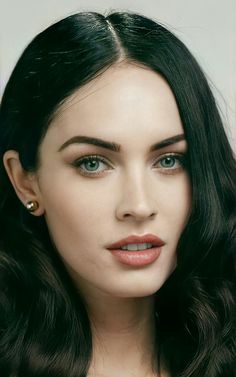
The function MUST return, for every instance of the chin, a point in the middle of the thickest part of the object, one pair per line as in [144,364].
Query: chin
[138,290]
[141,286]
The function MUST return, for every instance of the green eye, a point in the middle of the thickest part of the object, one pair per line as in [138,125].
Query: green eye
[91,165]
[96,165]
[170,162]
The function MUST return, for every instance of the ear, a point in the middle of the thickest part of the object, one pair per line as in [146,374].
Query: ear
[25,183]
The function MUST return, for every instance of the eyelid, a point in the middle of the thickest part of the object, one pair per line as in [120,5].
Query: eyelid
[180,156]
[79,161]
[90,156]
[165,170]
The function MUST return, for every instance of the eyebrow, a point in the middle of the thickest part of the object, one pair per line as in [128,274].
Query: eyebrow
[117,147]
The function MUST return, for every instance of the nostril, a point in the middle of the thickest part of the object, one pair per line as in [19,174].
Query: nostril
[139,215]
[140,212]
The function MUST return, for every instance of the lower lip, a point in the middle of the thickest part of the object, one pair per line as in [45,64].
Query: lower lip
[136,258]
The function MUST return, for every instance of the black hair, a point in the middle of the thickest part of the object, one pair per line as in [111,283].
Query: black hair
[44,326]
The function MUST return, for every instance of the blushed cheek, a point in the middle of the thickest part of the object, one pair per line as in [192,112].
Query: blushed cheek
[71,215]
[183,198]
[178,208]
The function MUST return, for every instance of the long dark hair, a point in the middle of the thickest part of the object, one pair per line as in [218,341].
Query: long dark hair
[44,327]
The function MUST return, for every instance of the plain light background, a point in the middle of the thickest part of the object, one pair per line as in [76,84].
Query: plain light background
[207,27]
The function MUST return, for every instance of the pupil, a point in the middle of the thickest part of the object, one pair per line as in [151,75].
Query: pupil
[93,164]
[168,161]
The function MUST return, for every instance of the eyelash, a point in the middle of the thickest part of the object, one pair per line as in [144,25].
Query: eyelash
[91,158]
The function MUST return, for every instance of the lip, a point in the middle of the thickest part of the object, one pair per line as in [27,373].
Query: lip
[138,258]
[147,238]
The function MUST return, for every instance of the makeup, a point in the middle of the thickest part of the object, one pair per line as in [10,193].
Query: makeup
[137,258]
[137,250]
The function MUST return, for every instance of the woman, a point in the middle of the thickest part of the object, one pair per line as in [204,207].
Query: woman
[118,198]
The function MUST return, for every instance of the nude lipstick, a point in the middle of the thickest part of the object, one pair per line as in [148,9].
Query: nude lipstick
[137,251]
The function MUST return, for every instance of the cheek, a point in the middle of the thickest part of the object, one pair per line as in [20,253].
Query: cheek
[74,210]
[176,199]
[176,209]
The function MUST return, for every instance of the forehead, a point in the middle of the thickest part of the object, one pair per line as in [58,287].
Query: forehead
[125,100]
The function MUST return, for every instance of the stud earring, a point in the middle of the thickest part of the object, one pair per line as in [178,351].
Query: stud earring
[32,205]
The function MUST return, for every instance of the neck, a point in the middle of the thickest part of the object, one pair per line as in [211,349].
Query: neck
[123,335]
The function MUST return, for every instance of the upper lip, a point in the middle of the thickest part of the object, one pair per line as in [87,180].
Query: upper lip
[135,239]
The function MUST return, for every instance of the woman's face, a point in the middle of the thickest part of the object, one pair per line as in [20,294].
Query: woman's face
[132,189]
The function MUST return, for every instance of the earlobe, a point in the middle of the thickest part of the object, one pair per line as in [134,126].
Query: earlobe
[23,181]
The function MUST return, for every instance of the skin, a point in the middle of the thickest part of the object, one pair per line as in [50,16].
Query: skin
[134,193]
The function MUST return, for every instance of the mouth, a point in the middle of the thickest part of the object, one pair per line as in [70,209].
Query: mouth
[137,251]
[133,241]
[136,246]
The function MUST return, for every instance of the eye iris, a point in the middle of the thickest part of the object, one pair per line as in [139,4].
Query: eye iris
[168,162]
[92,165]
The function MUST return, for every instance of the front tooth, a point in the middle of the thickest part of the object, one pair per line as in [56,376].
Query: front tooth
[132,246]
[135,247]
[142,246]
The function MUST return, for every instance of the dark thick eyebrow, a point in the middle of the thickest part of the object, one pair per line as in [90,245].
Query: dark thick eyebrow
[166,142]
[117,147]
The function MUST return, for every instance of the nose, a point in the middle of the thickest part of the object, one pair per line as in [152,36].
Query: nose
[137,199]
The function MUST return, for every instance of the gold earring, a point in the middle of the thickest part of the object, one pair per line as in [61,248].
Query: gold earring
[32,206]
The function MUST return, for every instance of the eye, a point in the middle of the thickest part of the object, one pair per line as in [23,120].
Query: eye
[91,165]
[171,163]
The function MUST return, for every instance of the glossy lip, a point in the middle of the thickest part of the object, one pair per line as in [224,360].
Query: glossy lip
[138,258]
[147,238]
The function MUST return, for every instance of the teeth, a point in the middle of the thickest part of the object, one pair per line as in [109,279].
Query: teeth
[135,246]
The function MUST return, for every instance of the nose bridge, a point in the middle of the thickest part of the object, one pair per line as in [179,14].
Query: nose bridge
[136,199]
